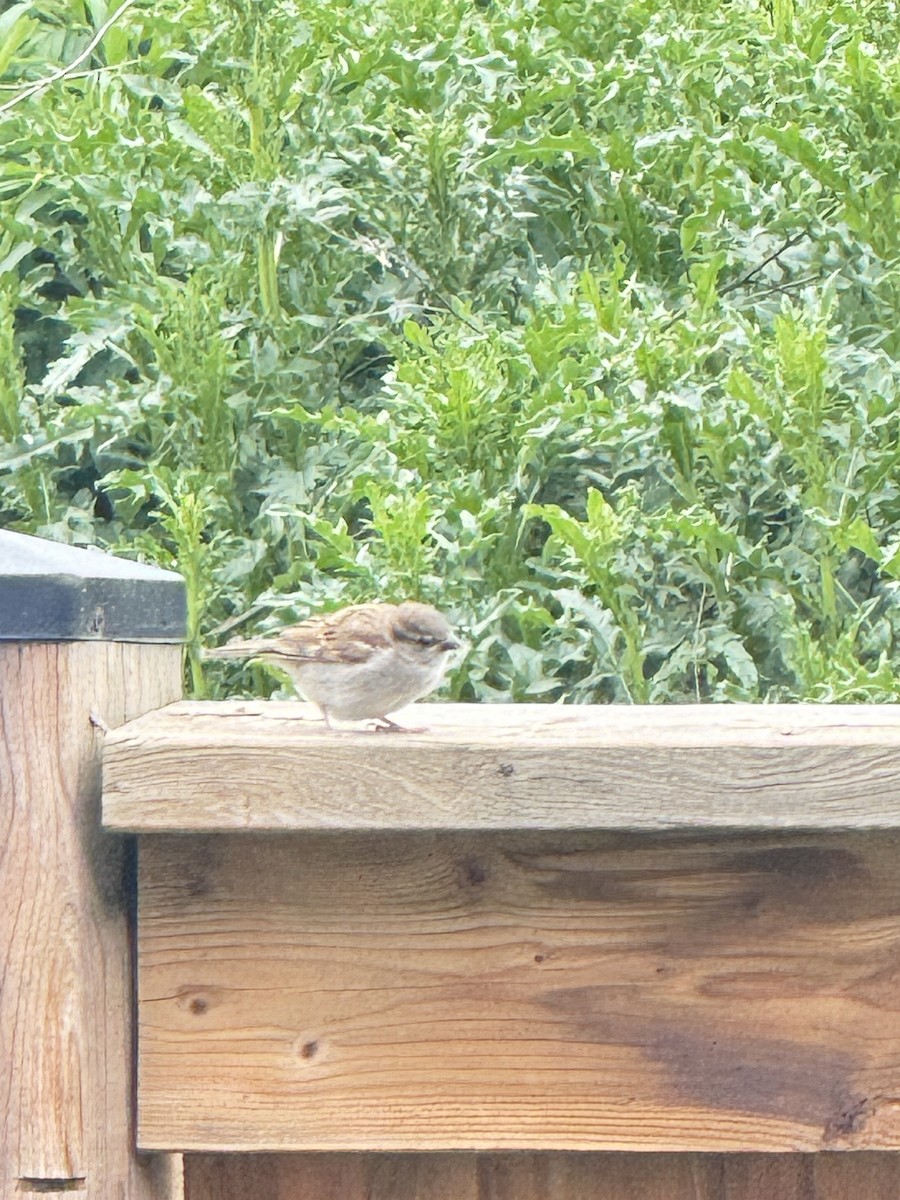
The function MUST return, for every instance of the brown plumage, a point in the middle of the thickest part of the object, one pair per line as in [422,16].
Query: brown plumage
[359,662]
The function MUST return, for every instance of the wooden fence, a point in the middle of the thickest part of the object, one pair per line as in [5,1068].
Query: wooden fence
[536,953]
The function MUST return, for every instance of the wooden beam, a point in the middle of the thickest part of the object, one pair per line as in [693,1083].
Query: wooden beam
[257,765]
[526,990]
[66,1072]
[543,1176]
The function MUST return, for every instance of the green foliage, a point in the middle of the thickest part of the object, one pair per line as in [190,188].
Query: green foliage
[577,320]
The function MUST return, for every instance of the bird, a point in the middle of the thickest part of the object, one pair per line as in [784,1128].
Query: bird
[361,662]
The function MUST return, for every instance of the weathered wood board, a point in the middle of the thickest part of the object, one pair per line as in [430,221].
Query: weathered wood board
[257,765]
[548,1176]
[65,885]
[533,990]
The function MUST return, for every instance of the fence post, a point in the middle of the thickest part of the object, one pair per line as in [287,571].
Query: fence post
[86,641]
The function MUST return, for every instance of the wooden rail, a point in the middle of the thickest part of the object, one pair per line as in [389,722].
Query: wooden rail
[531,928]
[202,767]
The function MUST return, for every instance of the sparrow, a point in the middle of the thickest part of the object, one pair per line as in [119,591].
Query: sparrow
[361,662]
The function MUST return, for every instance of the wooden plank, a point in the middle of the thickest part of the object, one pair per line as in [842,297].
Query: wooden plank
[541,991]
[851,1176]
[257,765]
[867,1176]
[65,927]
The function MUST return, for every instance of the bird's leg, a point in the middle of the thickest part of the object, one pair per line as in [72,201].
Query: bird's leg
[326,717]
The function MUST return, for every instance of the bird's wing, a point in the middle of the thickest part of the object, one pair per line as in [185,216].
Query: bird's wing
[352,635]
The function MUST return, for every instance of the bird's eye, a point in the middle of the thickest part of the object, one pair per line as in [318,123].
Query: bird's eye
[417,639]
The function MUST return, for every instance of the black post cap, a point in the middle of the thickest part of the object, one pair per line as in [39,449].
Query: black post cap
[50,592]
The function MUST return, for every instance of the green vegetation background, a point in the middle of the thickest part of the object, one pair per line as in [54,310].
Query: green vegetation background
[577,319]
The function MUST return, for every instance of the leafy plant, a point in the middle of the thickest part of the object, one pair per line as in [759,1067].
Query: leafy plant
[577,320]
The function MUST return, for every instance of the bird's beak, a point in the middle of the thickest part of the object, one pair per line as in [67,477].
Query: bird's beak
[449,644]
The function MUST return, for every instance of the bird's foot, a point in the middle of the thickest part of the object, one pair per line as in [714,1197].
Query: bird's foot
[389,726]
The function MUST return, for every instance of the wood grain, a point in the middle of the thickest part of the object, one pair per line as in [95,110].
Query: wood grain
[546,1176]
[541,991]
[204,766]
[65,1001]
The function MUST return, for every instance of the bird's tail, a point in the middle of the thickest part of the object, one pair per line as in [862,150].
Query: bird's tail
[239,648]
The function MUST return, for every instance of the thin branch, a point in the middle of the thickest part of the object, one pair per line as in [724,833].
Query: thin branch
[749,276]
[788,286]
[386,250]
[770,258]
[69,69]
[446,306]
[696,644]
[119,66]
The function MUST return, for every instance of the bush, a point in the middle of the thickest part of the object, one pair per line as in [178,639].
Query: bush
[576,320]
